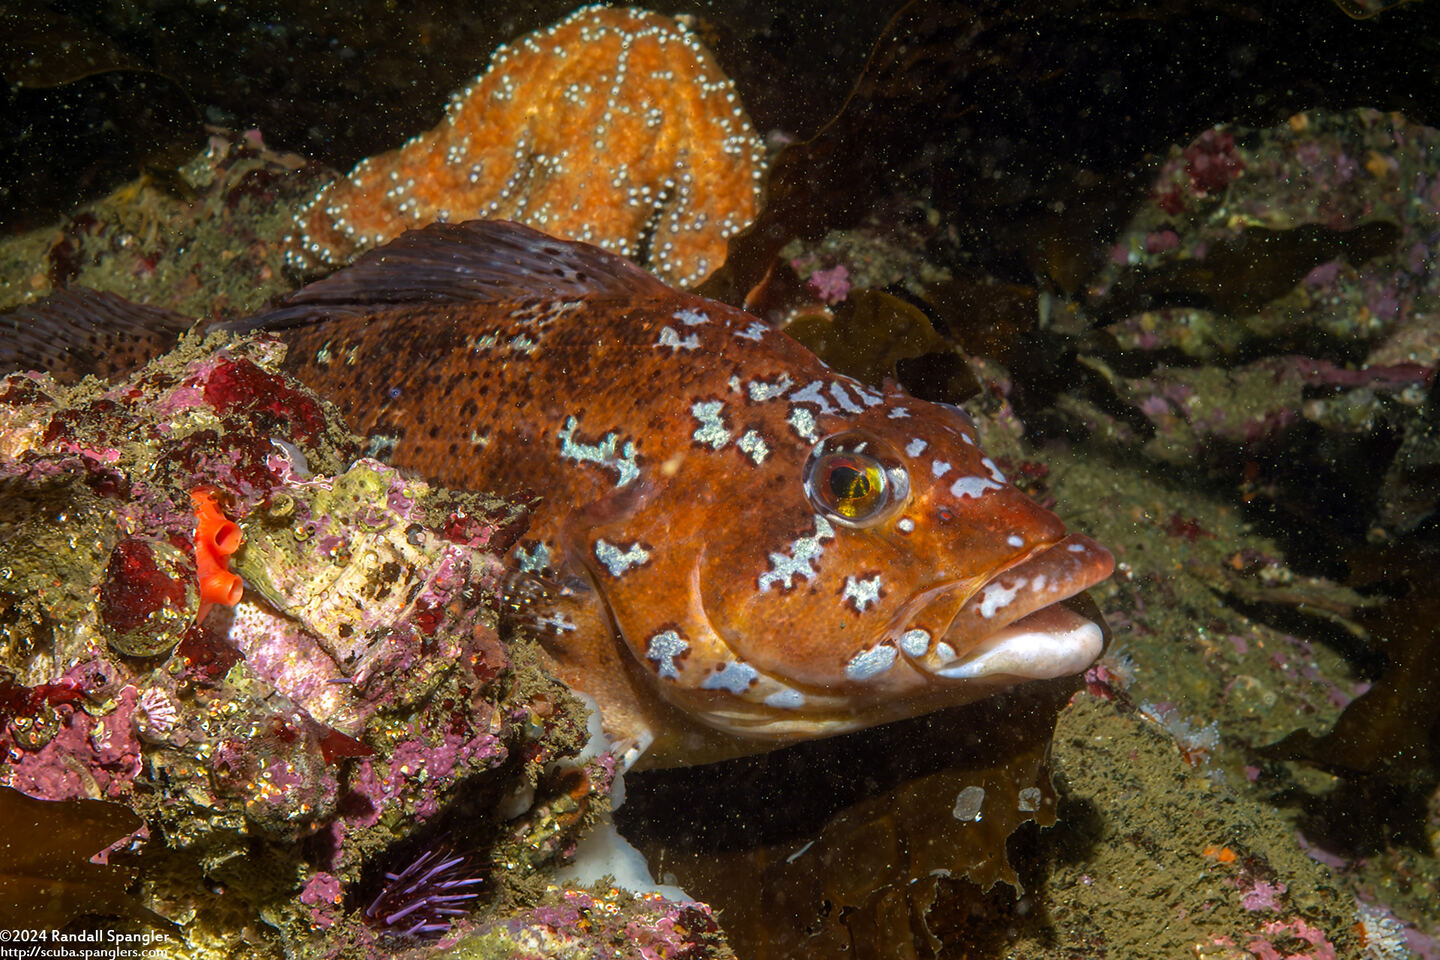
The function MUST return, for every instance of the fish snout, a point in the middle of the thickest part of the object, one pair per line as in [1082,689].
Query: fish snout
[1018,626]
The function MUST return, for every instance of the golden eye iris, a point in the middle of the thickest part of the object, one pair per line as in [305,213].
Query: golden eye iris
[856,486]
[851,478]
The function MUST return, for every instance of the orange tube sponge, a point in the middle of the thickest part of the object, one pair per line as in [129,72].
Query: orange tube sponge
[216,537]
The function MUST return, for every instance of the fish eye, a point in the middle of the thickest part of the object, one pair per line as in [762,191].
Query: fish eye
[854,486]
[849,479]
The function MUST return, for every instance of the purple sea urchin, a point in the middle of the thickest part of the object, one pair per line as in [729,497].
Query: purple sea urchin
[422,899]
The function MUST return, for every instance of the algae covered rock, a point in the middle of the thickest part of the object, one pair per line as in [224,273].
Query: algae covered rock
[288,752]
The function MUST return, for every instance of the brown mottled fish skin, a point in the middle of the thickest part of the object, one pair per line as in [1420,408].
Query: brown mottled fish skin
[682,568]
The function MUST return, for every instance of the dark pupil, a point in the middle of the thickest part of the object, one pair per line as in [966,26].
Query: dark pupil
[847,483]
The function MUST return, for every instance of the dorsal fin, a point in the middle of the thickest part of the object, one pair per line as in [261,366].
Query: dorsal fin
[78,331]
[478,261]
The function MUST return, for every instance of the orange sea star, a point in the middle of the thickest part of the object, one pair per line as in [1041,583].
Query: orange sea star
[613,126]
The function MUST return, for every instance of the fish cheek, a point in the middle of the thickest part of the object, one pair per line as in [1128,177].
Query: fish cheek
[777,599]
[639,552]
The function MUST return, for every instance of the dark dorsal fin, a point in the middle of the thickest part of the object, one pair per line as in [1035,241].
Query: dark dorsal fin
[478,261]
[78,331]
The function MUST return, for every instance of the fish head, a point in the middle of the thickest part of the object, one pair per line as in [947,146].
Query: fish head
[874,564]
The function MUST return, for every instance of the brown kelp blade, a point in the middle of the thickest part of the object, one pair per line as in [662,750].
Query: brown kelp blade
[46,875]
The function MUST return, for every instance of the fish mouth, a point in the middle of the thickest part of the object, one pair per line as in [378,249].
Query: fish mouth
[1018,625]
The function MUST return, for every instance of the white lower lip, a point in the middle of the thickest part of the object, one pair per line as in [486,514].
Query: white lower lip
[1054,641]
